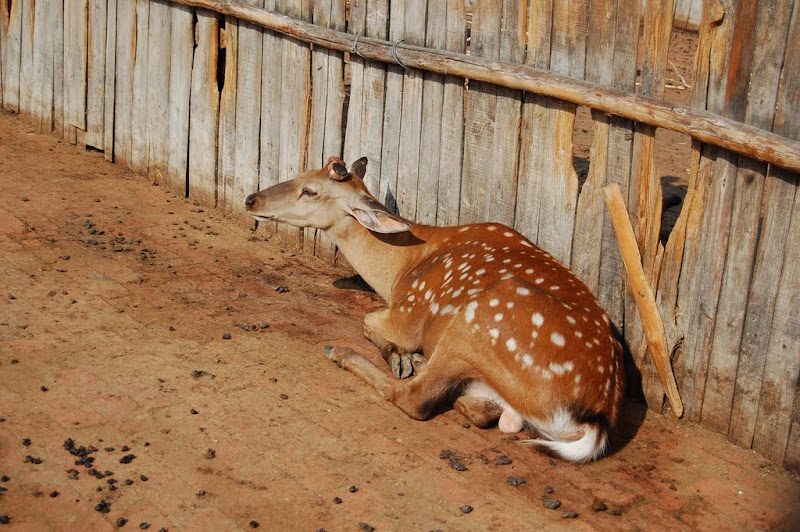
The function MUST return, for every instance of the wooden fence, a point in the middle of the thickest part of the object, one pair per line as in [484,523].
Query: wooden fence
[215,106]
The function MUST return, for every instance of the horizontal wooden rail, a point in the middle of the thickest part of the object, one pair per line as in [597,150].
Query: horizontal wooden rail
[698,124]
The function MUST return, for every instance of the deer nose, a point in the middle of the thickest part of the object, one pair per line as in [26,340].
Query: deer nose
[250,201]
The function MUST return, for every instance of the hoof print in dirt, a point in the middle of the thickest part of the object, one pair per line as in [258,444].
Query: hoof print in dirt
[127,459]
[570,515]
[466,509]
[33,460]
[365,527]
[5,520]
[103,507]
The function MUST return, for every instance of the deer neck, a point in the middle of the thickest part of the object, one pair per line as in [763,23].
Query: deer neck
[380,259]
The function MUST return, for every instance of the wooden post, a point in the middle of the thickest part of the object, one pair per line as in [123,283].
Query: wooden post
[643,295]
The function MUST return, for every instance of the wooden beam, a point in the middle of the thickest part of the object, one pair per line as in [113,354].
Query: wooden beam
[701,125]
[642,294]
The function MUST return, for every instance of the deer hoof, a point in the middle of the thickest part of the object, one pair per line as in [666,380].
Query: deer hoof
[403,364]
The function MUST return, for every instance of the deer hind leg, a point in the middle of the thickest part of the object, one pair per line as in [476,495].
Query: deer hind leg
[480,412]
[417,397]
[396,349]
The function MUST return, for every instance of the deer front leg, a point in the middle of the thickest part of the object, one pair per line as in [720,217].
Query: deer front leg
[416,397]
[396,349]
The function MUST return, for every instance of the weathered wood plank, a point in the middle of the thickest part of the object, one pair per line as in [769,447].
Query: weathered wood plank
[492,116]
[365,115]
[96,73]
[180,82]
[390,141]
[452,130]
[248,115]
[158,89]
[769,41]
[588,233]
[41,105]
[327,100]
[227,115]
[109,92]
[60,128]
[26,66]
[782,368]
[204,111]
[295,101]
[645,197]
[75,59]
[140,132]
[412,17]
[12,41]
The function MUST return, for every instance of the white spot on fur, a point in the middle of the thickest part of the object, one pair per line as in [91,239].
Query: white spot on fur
[415,283]
[527,361]
[498,316]
[522,291]
[571,320]
[578,334]
[526,243]
[539,280]
[480,272]
[469,312]
[529,271]
[508,233]
[428,295]
[537,319]
[554,288]
[411,297]
[511,344]
[510,305]
[494,302]
[458,292]
[557,339]
[464,229]
[491,228]
[494,333]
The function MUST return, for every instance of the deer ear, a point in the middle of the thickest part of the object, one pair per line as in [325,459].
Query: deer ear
[375,217]
[359,168]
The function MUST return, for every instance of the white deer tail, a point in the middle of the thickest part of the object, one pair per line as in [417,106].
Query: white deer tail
[571,439]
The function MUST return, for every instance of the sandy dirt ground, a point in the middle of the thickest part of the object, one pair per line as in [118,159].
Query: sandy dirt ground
[162,366]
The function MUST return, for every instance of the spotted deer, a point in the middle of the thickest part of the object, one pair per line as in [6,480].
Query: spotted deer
[507,332]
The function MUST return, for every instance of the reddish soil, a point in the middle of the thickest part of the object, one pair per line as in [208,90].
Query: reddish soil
[116,302]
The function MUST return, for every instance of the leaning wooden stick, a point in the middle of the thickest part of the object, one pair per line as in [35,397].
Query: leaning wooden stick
[642,294]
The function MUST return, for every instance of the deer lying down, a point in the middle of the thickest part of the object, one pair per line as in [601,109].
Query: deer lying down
[502,324]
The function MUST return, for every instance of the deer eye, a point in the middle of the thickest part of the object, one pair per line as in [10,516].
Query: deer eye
[307,193]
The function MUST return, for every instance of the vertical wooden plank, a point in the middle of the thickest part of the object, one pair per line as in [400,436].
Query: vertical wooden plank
[589,230]
[448,203]
[140,132]
[413,13]
[429,154]
[227,115]
[110,83]
[180,80]
[158,88]
[782,368]
[390,141]
[204,111]
[44,18]
[75,62]
[60,128]
[365,117]
[26,66]
[771,28]
[271,106]
[125,59]
[295,100]
[327,100]
[248,114]
[96,73]
[492,119]
[645,198]
[11,50]
[779,403]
